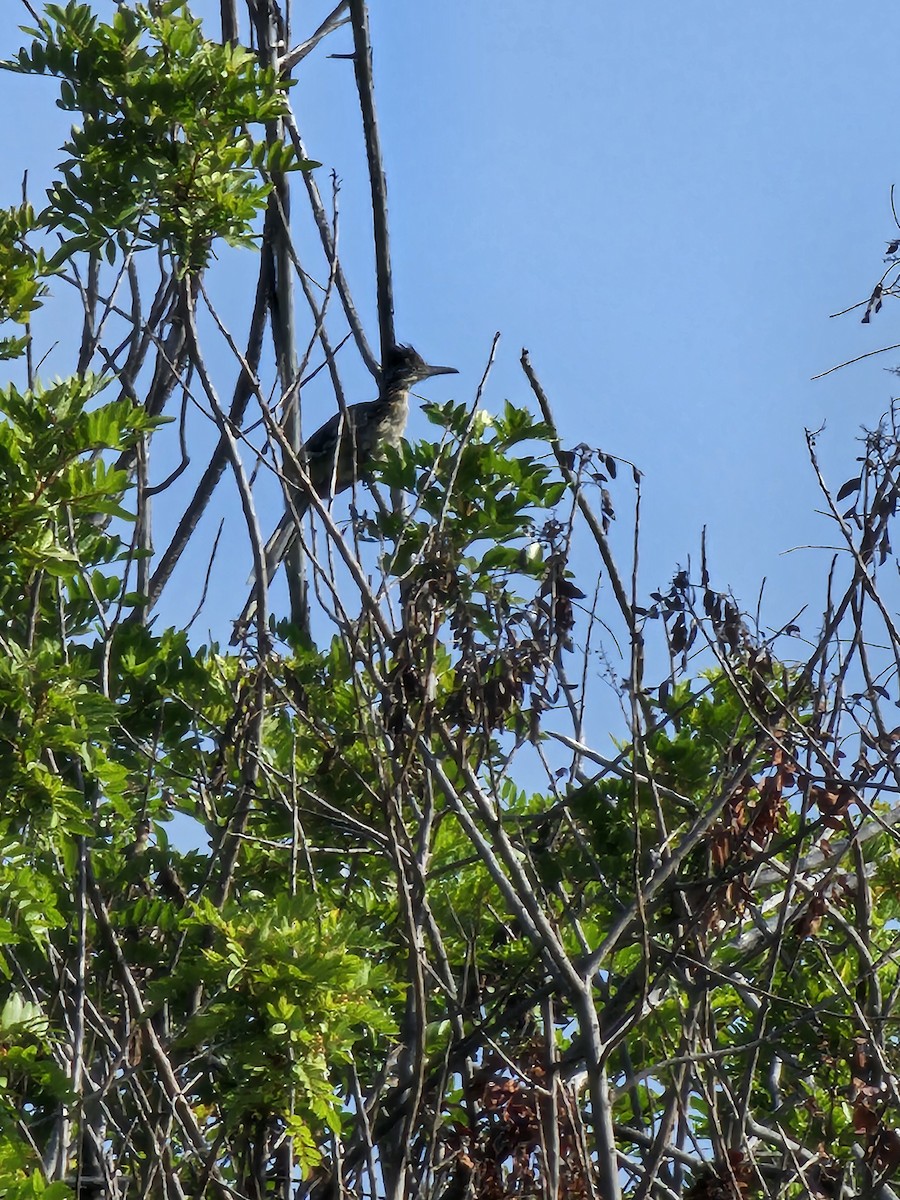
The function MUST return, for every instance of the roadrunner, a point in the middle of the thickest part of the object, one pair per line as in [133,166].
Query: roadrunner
[340,453]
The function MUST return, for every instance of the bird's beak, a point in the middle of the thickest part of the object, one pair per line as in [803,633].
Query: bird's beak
[428,371]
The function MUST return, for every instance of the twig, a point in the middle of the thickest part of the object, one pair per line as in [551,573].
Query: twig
[588,513]
[362,62]
[320,217]
[333,21]
[246,495]
[243,390]
[859,358]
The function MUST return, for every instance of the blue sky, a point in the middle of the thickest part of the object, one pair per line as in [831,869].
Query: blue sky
[662,202]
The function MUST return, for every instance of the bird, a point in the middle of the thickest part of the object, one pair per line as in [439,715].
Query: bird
[340,453]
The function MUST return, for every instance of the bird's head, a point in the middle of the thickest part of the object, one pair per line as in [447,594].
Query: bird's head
[404,367]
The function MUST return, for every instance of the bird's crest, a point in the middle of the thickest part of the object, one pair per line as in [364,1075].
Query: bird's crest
[403,364]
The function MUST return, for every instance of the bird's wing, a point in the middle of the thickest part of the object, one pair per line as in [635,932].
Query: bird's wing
[330,441]
[332,453]
[324,440]
[357,416]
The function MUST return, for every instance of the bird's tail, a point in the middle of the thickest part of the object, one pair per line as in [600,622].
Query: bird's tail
[275,552]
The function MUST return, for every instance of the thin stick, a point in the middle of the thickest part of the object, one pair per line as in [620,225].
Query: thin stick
[333,21]
[362,63]
[849,362]
[588,513]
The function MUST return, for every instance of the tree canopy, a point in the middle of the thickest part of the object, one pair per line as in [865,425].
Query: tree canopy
[475,870]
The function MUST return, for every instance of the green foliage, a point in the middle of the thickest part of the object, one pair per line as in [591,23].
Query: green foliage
[56,483]
[22,1179]
[103,735]
[27,1075]
[406,850]
[21,273]
[483,544]
[292,989]
[164,156]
